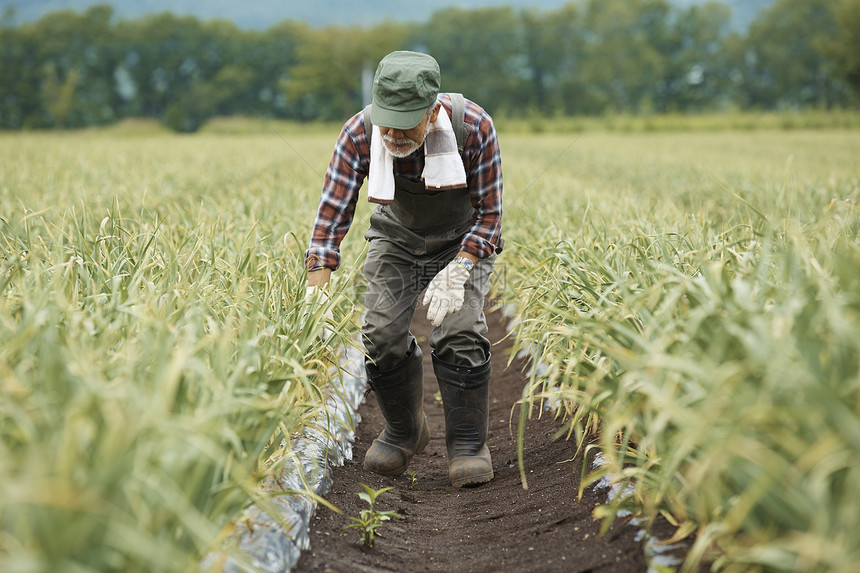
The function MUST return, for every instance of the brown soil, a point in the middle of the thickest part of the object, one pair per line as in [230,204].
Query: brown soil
[496,527]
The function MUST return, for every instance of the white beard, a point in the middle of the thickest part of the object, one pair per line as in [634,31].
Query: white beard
[402,147]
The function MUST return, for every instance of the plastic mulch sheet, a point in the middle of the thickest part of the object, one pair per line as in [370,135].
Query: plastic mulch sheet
[262,542]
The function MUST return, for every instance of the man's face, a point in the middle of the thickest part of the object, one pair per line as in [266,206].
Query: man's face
[404,142]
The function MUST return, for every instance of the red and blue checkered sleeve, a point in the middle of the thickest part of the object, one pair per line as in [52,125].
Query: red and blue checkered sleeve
[484,171]
[343,179]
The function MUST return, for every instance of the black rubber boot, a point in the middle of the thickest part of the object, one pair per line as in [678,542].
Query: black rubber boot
[466,399]
[399,393]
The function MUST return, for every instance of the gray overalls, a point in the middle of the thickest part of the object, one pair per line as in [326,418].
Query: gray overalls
[411,240]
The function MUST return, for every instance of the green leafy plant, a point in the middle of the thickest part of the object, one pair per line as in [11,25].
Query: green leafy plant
[413,478]
[692,346]
[369,520]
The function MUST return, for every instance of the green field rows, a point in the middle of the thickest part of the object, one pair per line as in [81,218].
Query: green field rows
[697,293]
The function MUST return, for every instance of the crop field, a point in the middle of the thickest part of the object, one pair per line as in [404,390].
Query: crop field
[693,299]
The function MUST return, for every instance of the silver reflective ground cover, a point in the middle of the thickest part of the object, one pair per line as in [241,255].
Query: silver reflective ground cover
[266,543]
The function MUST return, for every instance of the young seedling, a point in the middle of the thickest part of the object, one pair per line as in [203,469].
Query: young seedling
[370,520]
[413,478]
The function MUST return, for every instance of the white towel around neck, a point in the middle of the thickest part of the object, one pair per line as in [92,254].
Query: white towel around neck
[443,166]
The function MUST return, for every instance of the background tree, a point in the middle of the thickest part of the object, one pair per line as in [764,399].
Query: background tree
[64,54]
[622,63]
[164,56]
[785,64]
[59,94]
[218,80]
[208,98]
[587,57]
[844,48]
[271,54]
[326,80]
[551,50]
[478,53]
[19,97]
[82,43]
[696,77]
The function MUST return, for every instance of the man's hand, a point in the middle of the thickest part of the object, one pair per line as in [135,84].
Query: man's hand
[317,294]
[319,277]
[446,292]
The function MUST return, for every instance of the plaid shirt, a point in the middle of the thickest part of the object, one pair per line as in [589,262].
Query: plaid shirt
[350,164]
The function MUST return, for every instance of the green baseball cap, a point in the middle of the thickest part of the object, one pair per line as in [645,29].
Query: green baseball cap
[404,88]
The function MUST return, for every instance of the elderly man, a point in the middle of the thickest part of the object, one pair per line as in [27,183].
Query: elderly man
[432,164]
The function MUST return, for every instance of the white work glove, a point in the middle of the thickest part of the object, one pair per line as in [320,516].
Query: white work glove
[446,292]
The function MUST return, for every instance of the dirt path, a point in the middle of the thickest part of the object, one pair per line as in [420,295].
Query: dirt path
[496,527]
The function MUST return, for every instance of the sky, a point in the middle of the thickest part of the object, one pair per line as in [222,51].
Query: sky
[262,14]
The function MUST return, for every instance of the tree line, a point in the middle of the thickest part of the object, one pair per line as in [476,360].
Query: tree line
[76,69]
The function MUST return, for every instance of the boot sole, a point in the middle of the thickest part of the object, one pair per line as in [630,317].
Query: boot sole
[481,471]
[388,473]
[419,447]
[473,480]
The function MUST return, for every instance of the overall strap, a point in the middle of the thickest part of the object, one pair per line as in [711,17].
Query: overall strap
[368,124]
[458,120]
